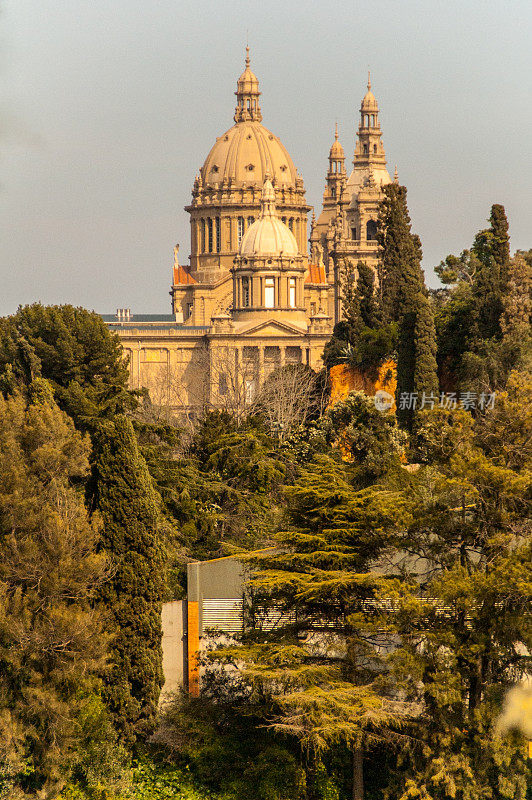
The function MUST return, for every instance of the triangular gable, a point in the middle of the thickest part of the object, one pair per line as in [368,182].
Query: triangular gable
[272,327]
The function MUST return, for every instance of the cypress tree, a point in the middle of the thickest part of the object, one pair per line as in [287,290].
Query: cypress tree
[129,506]
[404,299]
[492,248]
[370,312]
[400,275]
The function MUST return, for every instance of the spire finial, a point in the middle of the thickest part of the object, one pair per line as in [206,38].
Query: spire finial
[369,81]
[247,56]
[336,131]
[396,175]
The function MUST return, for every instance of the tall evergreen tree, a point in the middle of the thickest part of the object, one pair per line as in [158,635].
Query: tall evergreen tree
[404,300]
[492,248]
[132,539]
[52,640]
[400,275]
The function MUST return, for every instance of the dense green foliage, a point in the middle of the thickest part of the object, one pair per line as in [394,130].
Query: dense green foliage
[52,640]
[132,539]
[73,349]
[483,326]
[390,611]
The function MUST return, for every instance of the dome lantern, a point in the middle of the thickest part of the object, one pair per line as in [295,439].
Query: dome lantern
[247,93]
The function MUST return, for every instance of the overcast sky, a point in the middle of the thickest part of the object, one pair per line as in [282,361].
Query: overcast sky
[109,108]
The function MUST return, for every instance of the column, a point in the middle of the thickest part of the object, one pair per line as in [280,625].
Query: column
[261,364]
[282,359]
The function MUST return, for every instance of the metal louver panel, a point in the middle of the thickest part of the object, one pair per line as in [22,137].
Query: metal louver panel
[222,615]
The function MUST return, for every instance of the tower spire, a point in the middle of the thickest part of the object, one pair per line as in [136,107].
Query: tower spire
[247,92]
[369,81]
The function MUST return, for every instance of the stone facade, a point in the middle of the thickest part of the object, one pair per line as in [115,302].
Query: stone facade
[249,300]
[346,229]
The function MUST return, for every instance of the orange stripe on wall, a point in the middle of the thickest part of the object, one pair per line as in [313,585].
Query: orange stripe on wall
[193,648]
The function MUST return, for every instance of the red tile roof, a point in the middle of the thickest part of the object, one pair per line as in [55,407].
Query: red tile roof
[316,274]
[182,276]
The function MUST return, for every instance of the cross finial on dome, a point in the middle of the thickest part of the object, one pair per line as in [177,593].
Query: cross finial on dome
[336,131]
[396,175]
[247,57]
[369,81]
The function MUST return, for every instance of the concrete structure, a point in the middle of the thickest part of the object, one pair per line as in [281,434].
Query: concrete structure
[249,300]
[213,607]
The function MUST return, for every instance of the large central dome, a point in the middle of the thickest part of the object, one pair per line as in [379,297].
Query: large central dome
[226,196]
[245,155]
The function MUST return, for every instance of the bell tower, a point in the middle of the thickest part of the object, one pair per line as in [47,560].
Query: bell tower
[336,176]
[369,150]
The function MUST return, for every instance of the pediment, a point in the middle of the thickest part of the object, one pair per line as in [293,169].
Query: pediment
[272,327]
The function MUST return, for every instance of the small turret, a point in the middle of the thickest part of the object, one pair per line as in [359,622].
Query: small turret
[247,93]
[336,176]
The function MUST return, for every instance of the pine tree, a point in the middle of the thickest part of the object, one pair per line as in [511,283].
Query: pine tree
[464,622]
[52,639]
[132,540]
[316,669]
[74,350]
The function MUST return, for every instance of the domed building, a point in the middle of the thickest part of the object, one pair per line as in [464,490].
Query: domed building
[248,301]
[226,202]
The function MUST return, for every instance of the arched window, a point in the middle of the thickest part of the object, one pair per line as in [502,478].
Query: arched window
[218,235]
[283,220]
[371,230]
[240,229]
[353,233]
[375,149]
[202,235]
[365,149]
[210,234]
[269,292]
[333,191]
[291,224]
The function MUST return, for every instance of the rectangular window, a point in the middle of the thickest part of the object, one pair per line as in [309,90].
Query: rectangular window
[292,300]
[218,235]
[269,292]
[245,292]
[240,229]
[209,228]
[222,384]
[202,236]
[250,388]
[353,233]
[190,306]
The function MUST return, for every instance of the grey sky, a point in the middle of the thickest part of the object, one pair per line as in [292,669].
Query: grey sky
[109,107]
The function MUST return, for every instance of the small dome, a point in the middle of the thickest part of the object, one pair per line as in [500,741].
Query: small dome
[337,151]
[369,102]
[268,236]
